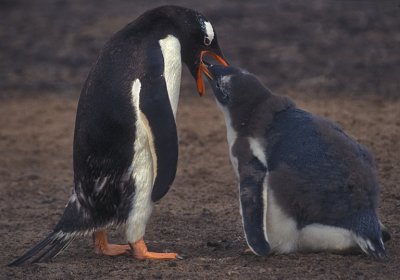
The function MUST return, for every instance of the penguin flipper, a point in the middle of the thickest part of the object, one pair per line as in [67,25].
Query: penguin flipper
[161,129]
[53,244]
[254,221]
[253,196]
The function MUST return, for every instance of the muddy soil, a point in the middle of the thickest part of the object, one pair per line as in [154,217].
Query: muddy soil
[338,59]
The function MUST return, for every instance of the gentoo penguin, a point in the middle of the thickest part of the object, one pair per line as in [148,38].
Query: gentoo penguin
[125,144]
[305,185]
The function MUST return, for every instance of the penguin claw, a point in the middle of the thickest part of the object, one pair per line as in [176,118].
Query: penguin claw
[180,257]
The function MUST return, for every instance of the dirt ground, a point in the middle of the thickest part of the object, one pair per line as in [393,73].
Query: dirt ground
[338,59]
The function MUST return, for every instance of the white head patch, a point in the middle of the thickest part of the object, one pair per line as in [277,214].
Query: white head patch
[224,86]
[209,30]
[225,81]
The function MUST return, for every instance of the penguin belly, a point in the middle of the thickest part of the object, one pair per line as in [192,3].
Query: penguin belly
[282,230]
[285,236]
[319,237]
[144,167]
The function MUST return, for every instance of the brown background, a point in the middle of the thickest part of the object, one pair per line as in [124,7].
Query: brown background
[339,59]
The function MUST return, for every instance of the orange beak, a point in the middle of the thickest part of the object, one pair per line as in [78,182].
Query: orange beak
[203,69]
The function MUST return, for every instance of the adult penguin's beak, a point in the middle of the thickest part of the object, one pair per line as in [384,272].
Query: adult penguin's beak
[203,69]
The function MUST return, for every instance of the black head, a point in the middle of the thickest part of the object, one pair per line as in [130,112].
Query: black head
[234,87]
[195,34]
[244,100]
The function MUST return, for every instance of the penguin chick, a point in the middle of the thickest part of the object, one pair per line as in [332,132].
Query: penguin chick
[125,144]
[305,185]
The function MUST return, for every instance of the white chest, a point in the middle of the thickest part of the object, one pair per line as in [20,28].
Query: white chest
[144,170]
[231,136]
[171,51]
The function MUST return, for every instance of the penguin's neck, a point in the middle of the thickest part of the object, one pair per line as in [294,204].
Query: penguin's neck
[171,51]
[255,118]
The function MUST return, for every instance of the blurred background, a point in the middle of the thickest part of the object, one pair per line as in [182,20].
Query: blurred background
[346,47]
[338,59]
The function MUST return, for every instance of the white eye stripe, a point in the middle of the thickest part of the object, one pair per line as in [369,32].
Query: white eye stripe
[209,31]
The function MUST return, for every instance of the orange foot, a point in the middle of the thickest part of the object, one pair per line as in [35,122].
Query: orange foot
[104,248]
[140,252]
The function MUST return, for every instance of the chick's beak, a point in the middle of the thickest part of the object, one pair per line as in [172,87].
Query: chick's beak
[203,69]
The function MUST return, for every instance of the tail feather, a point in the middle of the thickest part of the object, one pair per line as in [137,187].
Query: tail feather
[58,249]
[372,247]
[54,243]
[367,233]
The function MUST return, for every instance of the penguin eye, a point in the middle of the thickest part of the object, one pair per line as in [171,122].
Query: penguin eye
[207,41]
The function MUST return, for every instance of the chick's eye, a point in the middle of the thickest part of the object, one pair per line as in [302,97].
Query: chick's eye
[207,41]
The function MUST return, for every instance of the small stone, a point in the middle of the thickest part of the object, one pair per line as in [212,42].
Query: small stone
[213,244]
[172,264]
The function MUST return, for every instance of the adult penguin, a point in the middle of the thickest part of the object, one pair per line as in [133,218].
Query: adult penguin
[125,144]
